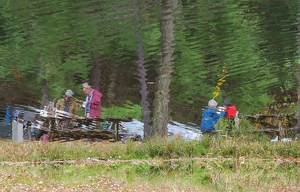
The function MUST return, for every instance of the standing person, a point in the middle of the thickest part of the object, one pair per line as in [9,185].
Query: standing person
[231,115]
[210,117]
[68,103]
[230,110]
[92,103]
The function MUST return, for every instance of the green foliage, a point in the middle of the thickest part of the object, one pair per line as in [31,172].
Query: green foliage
[58,41]
[243,56]
[80,111]
[129,109]
[169,148]
[292,151]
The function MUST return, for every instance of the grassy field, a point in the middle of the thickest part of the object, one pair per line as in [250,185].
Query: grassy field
[218,163]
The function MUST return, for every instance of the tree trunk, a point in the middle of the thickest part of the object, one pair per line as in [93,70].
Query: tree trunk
[298,110]
[95,73]
[45,90]
[298,76]
[111,87]
[142,74]
[162,98]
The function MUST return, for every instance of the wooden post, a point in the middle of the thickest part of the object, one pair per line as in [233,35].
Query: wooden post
[17,131]
[117,129]
[236,120]
[281,130]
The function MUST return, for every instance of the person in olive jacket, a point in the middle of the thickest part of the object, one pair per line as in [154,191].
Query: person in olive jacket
[68,103]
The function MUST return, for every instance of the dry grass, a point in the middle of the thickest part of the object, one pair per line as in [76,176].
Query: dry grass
[216,164]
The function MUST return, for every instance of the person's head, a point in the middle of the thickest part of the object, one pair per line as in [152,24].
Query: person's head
[68,95]
[87,90]
[212,103]
[227,104]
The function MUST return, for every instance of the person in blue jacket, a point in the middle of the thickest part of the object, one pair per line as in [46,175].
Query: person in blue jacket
[210,117]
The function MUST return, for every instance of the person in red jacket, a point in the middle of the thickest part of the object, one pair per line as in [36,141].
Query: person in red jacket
[231,113]
[230,110]
[92,104]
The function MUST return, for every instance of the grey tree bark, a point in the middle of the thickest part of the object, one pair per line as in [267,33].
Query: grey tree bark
[162,98]
[111,87]
[142,74]
[298,76]
[45,90]
[95,73]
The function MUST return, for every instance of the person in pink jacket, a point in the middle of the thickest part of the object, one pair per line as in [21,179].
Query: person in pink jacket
[92,103]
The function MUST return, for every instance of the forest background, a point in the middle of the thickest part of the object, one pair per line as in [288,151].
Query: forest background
[166,56]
